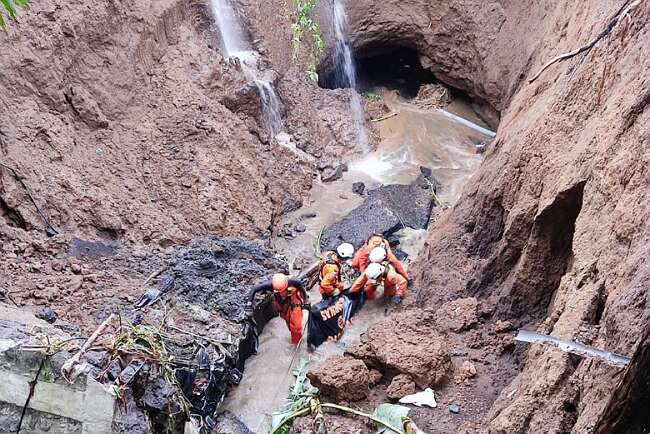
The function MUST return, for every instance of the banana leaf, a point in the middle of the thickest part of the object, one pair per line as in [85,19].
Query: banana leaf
[391,414]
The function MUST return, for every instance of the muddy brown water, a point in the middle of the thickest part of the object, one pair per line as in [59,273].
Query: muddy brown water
[411,139]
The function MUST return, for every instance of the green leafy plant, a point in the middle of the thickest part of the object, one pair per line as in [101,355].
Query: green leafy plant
[306,24]
[10,7]
[303,399]
[371,97]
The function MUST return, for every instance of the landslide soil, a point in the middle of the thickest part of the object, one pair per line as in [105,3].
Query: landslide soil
[126,126]
[112,116]
[552,231]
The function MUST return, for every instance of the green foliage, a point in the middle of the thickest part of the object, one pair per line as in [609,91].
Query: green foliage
[10,8]
[392,415]
[47,375]
[300,395]
[371,97]
[304,24]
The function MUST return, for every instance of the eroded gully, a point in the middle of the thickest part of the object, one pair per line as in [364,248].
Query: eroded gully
[409,140]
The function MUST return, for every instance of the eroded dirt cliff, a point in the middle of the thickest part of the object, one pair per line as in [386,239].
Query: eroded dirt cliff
[127,125]
[552,231]
[116,118]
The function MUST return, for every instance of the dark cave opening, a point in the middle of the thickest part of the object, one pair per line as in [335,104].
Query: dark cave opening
[393,68]
[397,68]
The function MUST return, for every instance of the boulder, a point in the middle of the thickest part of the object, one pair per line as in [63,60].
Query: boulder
[401,386]
[332,174]
[409,343]
[385,210]
[467,370]
[341,378]
[47,314]
[358,188]
[503,326]
[228,423]
[458,315]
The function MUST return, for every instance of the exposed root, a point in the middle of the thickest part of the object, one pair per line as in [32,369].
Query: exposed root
[622,13]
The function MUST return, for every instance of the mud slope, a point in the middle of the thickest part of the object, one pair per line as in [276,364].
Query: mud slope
[113,116]
[553,230]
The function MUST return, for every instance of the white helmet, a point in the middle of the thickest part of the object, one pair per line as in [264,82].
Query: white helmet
[377,255]
[374,271]
[345,250]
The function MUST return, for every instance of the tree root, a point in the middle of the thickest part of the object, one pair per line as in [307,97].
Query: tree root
[622,13]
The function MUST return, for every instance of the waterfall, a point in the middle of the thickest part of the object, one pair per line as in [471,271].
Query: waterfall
[236,46]
[346,74]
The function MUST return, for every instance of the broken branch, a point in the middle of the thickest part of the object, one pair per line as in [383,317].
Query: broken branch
[622,13]
[69,365]
[383,118]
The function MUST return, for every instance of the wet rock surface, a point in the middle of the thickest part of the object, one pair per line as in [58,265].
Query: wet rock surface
[386,210]
[216,273]
[341,378]
[228,423]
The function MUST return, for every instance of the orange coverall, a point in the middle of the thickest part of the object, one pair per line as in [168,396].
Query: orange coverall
[362,257]
[330,279]
[287,303]
[394,284]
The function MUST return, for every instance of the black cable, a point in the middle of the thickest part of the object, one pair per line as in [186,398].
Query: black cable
[31,198]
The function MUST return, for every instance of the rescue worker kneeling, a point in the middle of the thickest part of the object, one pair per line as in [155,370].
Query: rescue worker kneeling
[289,299]
[330,269]
[381,274]
[362,257]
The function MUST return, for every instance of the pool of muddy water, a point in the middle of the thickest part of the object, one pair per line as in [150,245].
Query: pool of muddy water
[409,140]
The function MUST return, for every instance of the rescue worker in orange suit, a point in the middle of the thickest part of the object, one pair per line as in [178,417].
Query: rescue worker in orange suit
[330,269]
[361,258]
[381,273]
[289,299]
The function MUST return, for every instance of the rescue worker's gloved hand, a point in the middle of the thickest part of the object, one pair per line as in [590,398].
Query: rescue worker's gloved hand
[396,299]
[336,292]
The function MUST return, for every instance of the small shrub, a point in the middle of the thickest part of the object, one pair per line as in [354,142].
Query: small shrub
[305,23]
[10,8]
[371,97]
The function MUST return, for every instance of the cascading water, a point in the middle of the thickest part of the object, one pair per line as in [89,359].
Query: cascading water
[346,75]
[237,47]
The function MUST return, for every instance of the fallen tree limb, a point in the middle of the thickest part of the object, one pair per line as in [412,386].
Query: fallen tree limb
[383,118]
[622,13]
[67,367]
[153,276]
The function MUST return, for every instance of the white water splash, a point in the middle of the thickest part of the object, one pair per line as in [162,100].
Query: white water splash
[236,46]
[346,74]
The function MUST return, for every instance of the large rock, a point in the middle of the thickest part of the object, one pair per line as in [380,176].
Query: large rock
[458,315]
[386,210]
[407,342]
[401,386]
[228,423]
[342,378]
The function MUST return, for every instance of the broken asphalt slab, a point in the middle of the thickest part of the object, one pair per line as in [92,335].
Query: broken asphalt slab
[386,210]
